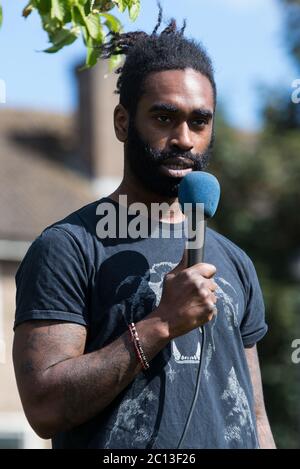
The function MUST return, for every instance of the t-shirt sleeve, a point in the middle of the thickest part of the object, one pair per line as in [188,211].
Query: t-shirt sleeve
[253,326]
[52,280]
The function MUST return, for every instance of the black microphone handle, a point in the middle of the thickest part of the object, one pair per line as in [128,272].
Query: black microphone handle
[195,256]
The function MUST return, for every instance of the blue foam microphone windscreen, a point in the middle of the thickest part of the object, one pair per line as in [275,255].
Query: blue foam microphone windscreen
[200,187]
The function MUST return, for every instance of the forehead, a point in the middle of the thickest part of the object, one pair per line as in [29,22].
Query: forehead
[187,89]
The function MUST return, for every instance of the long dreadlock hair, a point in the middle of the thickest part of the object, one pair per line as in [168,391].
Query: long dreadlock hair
[146,53]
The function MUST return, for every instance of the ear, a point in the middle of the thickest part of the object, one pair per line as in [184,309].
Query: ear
[121,121]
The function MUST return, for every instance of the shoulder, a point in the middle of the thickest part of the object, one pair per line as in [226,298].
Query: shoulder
[67,240]
[78,228]
[226,245]
[231,252]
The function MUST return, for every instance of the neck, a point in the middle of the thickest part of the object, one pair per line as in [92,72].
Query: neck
[132,188]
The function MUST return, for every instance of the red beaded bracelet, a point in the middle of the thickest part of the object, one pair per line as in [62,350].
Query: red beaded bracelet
[137,346]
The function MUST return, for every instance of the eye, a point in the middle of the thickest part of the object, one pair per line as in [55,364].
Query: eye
[163,119]
[200,123]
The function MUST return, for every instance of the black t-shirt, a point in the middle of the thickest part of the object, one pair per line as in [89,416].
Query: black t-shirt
[70,274]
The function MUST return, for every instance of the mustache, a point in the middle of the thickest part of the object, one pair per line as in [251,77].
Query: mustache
[160,157]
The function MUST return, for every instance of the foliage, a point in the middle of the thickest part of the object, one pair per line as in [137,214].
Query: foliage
[66,20]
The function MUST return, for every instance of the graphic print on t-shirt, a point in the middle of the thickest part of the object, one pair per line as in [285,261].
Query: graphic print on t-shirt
[136,291]
[226,294]
[129,411]
[237,406]
[144,288]
[134,310]
[153,281]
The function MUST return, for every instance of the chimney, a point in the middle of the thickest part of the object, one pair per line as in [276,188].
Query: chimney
[101,153]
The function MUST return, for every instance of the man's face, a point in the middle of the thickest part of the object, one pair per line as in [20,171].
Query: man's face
[172,132]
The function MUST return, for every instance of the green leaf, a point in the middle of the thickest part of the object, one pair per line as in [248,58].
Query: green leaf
[78,16]
[50,25]
[85,35]
[43,6]
[92,53]
[102,5]
[112,22]
[1,16]
[66,6]
[94,27]
[121,4]
[85,16]
[82,2]
[62,38]
[57,10]
[91,58]
[134,7]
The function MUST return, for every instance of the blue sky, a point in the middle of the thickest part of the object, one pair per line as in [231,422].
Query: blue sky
[244,38]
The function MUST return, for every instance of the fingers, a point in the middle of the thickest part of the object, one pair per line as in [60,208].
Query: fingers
[210,284]
[210,309]
[206,270]
[208,299]
[203,284]
[206,313]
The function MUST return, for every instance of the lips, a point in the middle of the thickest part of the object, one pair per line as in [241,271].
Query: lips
[176,167]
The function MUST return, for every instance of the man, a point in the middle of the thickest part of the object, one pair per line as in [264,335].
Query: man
[108,344]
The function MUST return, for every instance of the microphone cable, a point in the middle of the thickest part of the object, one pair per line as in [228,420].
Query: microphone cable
[196,392]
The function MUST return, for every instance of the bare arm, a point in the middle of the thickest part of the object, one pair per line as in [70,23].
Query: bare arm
[266,440]
[60,387]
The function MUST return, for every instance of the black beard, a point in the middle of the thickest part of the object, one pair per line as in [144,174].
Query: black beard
[144,162]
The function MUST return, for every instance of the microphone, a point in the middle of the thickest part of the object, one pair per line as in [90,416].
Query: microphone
[197,188]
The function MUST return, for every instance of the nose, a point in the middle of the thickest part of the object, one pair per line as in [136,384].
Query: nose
[181,138]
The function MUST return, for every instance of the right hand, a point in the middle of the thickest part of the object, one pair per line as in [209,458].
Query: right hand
[188,299]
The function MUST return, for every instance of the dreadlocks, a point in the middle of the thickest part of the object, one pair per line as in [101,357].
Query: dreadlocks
[169,50]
